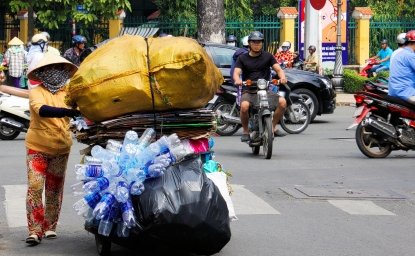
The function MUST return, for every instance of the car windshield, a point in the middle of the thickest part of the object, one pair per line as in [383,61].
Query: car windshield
[222,56]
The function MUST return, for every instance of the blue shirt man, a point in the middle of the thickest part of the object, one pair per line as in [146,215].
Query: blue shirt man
[402,74]
[383,57]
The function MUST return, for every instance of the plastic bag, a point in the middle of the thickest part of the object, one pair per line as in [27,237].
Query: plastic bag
[185,210]
[219,178]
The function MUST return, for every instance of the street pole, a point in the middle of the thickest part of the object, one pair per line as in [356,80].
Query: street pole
[338,64]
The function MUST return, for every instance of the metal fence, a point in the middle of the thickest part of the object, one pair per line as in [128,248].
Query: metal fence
[9,28]
[268,25]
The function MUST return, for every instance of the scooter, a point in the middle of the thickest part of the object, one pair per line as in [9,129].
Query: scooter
[14,112]
[369,64]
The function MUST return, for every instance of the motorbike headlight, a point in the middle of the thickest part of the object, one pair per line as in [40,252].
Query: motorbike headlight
[327,83]
[262,84]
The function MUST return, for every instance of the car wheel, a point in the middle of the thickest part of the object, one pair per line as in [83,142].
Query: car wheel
[310,100]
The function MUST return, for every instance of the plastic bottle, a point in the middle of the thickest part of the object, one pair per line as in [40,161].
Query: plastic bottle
[107,222]
[96,185]
[111,169]
[128,214]
[88,172]
[92,160]
[148,135]
[103,206]
[157,167]
[122,192]
[102,154]
[89,201]
[137,188]
[114,146]
[122,229]
[150,152]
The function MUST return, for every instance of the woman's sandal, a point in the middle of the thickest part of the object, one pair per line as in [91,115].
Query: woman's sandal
[33,240]
[50,234]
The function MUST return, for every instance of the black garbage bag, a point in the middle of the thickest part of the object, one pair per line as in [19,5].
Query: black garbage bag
[184,209]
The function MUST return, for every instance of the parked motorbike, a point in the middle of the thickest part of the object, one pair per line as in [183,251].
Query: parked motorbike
[295,120]
[14,112]
[225,102]
[384,123]
[369,64]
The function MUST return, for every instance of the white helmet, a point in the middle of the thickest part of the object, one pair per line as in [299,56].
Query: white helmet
[39,38]
[400,39]
[285,46]
[244,41]
[46,34]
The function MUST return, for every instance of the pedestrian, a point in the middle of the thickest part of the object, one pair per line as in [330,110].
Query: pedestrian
[73,53]
[37,50]
[50,48]
[48,143]
[15,60]
[402,73]
[311,62]
[383,59]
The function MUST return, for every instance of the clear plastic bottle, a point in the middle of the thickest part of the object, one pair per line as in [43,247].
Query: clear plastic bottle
[92,160]
[101,153]
[96,185]
[121,192]
[111,168]
[128,214]
[104,205]
[88,172]
[89,201]
[137,188]
[113,146]
[122,229]
[107,222]
[146,138]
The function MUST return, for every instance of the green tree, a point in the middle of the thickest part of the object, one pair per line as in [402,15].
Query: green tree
[51,13]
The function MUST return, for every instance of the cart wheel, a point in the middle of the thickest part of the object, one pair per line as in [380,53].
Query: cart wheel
[103,245]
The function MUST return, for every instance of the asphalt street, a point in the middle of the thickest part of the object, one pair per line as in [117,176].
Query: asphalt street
[318,195]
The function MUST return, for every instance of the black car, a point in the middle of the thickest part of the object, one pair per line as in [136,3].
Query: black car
[317,90]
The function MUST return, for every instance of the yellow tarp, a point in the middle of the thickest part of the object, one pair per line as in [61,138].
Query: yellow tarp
[114,79]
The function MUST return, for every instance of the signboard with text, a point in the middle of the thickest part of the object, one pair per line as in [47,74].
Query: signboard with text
[328,14]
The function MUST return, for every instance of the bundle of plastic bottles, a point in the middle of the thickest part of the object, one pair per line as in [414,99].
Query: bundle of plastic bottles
[112,174]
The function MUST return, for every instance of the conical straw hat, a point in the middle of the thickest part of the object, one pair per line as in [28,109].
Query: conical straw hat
[49,60]
[15,41]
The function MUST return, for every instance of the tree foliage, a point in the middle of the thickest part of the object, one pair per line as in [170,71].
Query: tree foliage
[52,13]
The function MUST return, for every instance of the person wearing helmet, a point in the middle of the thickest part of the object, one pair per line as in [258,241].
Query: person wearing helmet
[311,61]
[38,48]
[50,49]
[15,60]
[382,57]
[244,49]
[402,71]
[254,65]
[285,57]
[400,40]
[231,40]
[73,53]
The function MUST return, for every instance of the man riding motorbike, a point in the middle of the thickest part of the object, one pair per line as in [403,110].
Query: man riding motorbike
[402,71]
[231,40]
[285,57]
[73,54]
[256,65]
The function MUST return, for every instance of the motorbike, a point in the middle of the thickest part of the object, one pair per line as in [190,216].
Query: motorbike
[14,112]
[369,64]
[384,123]
[295,120]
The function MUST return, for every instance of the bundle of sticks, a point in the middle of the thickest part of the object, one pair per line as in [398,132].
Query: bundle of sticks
[190,124]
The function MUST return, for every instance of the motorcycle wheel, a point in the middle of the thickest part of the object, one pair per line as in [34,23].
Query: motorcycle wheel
[223,128]
[267,138]
[296,118]
[371,144]
[7,133]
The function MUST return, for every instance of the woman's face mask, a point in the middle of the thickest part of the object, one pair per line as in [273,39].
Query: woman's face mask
[53,77]
[231,43]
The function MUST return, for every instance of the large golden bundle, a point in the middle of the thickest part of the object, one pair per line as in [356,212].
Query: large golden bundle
[115,79]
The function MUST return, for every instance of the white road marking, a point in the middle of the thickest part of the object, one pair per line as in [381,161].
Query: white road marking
[247,203]
[360,207]
[15,205]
